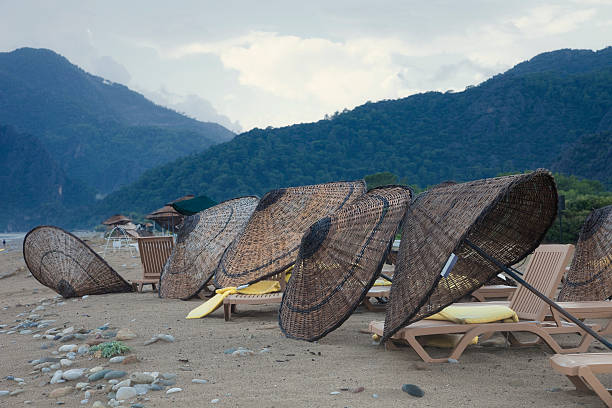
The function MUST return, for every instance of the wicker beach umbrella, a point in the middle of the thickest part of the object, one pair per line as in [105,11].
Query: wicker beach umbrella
[64,263]
[272,236]
[200,244]
[590,274]
[506,216]
[339,259]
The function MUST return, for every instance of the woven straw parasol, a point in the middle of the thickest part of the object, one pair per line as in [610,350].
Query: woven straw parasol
[339,259]
[200,244]
[590,275]
[272,236]
[64,263]
[117,219]
[506,216]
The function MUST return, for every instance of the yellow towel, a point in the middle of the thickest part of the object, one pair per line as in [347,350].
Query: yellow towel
[478,313]
[258,288]
[382,282]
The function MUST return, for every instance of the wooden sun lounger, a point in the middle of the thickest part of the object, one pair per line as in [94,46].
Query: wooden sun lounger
[487,292]
[546,268]
[154,252]
[230,302]
[379,292]
[581,369]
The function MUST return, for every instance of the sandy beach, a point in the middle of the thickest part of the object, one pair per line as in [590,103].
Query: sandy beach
[279,373]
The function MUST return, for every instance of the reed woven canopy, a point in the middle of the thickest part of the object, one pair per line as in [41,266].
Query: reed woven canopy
[271,239]
[117,219]
[64,263]
[590,274]
[200,244]
[506,216]
[339,259]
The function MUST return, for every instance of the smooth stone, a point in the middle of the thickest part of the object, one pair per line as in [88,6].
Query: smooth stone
[57,376]
[110,375]
[98,375]
[98,404]
[111,395]
[142,378]
[173,390]
[4,393]
[334,393]
[71,355]
[64,362]
[125,393]
[199,381]
[61,392]
[116,359]
[54,366]
[124,383]
[16,392]
[68,330]
[130,359]
[109,335]
[137,406]
[67,347]
[45,370]
[104,327]
[452,361]
[166,383]
[151,341]
[83,350]
[73,374]
[84,401]
[81,385]
[113,382]
[413,390]
[88,394]
[80,336]
[229,350]
[167,338]
[67,338]
[156,387]
[96,369]
[27,331]
[126,334]
[214,401]
[142,389]
[168,376]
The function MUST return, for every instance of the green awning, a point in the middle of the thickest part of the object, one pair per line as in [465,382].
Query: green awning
[194,205]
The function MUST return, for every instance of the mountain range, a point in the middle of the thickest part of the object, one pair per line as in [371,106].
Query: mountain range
[553,111]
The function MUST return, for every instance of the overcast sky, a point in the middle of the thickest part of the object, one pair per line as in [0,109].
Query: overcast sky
[262,63]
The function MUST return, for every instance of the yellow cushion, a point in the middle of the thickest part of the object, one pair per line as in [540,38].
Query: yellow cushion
[382,282]
[444,340]
[478,313]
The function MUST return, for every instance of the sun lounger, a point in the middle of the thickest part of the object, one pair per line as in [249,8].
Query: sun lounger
[546,270]
[379,292]
[230,302]
[581,369]
[154,252]
[487,292]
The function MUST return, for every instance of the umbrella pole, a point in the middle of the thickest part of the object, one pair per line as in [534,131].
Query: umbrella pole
[520,280]
[386,277]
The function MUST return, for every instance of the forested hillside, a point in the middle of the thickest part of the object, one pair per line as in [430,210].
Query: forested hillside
[538,114]
[99,132]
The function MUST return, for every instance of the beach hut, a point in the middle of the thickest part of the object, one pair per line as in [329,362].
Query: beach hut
[167,217]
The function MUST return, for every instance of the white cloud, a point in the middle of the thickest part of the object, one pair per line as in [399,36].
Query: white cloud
[546,20]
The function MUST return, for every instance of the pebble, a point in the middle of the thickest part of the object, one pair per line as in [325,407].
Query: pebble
[130,359]
[103,327]
[16,392]
[57,377]
[125,393]
[73,374]
[98,404]
[141,389]
[114,374]
[67,338]
[83,350]
[88,394]
[413,390]
[156,387]
[214,401]
[85,297]
[64,362]
[173,390]
[114,381]
[168,376]
[68,330]
[124,383]
[54,366]
[166,383]
[374,396]
[98,375]
[229,350]
[137,406]
[334,393]
[45,370]
[81,386]
[126,334]
[357,390]
[61,392]
[453,361]
[117,359]
[243,352]
[67,347]
[96,369]
[71,355]
[4,393]
[142,378]
[84,401]
[199,381]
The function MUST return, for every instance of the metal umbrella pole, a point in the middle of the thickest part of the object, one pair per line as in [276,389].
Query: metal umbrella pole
[520,280]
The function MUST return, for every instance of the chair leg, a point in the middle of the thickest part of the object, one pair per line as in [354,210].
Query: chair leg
[227,311]
[588,377]
[579,383]
[154,287]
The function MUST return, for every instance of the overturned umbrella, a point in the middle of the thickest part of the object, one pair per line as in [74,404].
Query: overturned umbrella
[200,244]
[590,274]
[506,216]
[64,263]
[271,239]
[339,259]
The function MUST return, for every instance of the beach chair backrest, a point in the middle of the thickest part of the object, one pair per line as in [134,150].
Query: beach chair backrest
[154,252]
[544,272]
